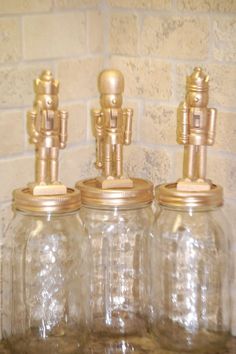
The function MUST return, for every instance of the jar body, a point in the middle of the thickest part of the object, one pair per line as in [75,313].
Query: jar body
[119,301]
[190,279]
[45,283]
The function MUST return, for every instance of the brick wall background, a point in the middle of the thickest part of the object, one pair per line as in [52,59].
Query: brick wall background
[155,43]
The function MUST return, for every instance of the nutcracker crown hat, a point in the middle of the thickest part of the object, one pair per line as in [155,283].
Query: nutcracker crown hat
[46,84]
[198,81]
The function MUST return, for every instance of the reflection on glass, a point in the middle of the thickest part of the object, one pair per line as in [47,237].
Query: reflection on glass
[190,278]
[45,284]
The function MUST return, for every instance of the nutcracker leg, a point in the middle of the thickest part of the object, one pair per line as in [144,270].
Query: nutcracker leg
[202,162]
[119,160]
[99,153]
[108,160]
[41,165]
[191,161]
[54,165]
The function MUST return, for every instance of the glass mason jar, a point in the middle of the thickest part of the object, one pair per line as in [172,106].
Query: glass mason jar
[119,224]
[190,272]
[46,275]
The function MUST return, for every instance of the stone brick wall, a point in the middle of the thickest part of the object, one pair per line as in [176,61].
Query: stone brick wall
[155,43]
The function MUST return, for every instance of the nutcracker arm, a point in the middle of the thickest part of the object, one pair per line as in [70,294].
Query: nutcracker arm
[212,115]
[183,124]
[32,117]
[63,128]
[98,119]
[97,116]
[128,116]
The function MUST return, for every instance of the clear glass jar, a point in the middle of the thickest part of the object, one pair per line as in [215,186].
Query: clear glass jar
[190,279]
[119,300]
[46,283]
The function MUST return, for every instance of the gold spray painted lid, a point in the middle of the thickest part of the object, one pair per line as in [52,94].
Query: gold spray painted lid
[24,200]
[92,195]
[47,129]
[169,195]
[195,130]
[113,130]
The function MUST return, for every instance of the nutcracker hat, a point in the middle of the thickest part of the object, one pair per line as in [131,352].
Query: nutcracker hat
[46,84]
[198,81]
[111,82]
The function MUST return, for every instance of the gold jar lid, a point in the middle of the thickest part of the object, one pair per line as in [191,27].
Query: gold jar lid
[24,200]
[169,195]
[92,195]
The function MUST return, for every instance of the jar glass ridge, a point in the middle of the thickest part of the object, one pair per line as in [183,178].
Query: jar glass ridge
[46,283]
[190,278]
[119,239]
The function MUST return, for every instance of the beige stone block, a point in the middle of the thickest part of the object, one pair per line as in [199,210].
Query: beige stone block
[77,124]
[95,31]
[24,6]
[78,163]
[147,163]
[178,170]
[11,132]
[226,132]
[158,124]
[10,40]
[142,4]
[74,4]
[224,39]
[207,5]
[175,37]
[225,175]
[16,84]
[124,33]
[55,35]
[182,71]
[147,78]
[15,173]
[78,77]
[222,83]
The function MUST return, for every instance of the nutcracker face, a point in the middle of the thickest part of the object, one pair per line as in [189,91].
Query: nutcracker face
[49,102]
[197,99]
[111,101]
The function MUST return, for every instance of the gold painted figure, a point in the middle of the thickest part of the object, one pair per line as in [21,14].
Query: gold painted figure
[113,128]
[47,128]
[196,130]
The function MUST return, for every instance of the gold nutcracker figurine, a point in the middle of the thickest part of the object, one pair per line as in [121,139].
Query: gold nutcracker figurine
[47,127]
[196,130]
[113,126]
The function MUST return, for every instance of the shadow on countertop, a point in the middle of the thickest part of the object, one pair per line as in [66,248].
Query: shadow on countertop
[231,349]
